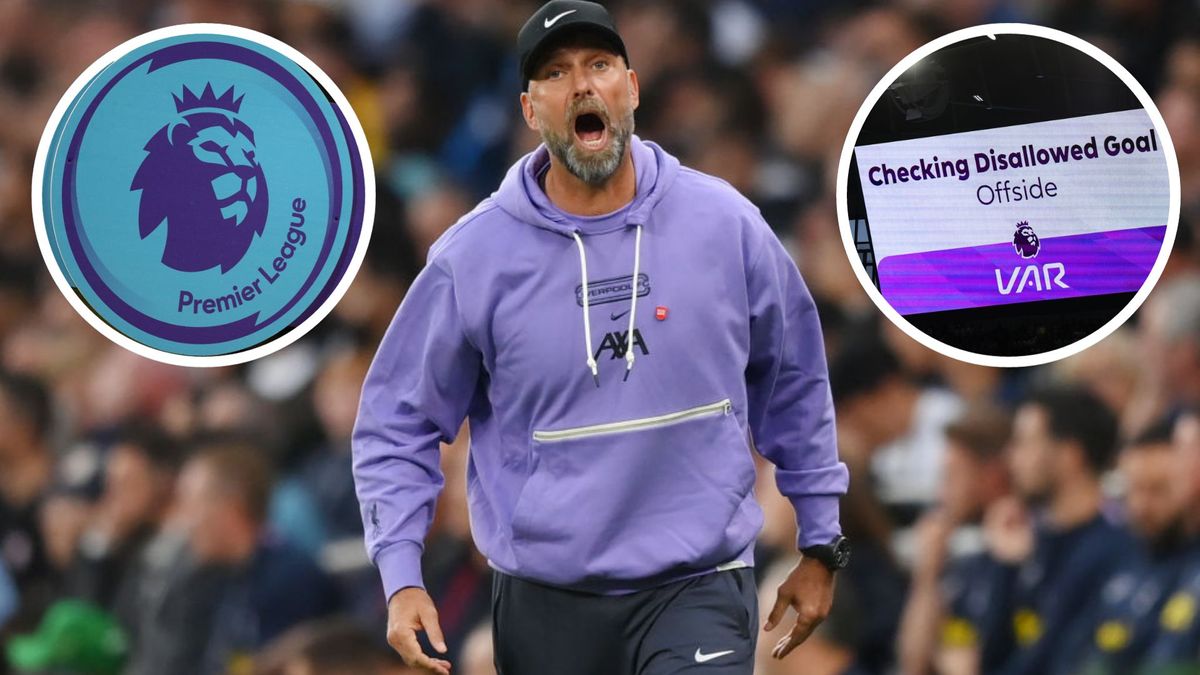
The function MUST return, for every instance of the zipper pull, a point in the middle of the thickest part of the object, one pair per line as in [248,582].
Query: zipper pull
[728,407]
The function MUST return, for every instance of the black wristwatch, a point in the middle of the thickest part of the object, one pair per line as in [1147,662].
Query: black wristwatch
[835,555]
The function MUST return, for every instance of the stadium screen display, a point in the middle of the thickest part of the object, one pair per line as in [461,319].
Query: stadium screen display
[1050,210]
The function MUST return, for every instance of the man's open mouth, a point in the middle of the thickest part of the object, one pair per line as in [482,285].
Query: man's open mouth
[591,130]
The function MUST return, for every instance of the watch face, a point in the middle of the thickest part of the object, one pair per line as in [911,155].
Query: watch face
[841,552]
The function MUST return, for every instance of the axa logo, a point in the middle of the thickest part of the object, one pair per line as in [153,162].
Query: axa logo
[202,181]
[616,343]
[1033,278]
[207,194]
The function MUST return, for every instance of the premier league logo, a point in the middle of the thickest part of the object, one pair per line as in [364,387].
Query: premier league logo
[202,182]
[206,195]
[1025,241]
[1047,277]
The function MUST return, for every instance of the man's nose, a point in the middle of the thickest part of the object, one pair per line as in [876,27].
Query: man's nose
[582,85]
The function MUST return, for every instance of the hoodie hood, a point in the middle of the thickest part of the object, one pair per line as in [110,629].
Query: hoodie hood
[522,197]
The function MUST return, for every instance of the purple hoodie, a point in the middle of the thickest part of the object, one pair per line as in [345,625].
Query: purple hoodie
[598,462]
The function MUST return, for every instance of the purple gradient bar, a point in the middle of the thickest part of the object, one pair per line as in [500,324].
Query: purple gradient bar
[1095,263]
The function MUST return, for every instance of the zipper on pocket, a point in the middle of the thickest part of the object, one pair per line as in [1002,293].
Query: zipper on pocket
[723,407]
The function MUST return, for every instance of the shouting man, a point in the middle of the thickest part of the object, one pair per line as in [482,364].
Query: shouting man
[611,490]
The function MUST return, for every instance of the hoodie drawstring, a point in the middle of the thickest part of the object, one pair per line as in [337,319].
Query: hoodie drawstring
[633,296]
[637,262]
[587,319]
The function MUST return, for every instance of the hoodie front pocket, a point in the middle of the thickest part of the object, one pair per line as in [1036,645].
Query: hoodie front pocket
[631,499]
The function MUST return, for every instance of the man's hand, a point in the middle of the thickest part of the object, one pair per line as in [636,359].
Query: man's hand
[411,610]
[932,534]
[1008,531]
[808,590]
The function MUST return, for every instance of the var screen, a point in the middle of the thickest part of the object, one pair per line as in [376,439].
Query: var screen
[1051,210]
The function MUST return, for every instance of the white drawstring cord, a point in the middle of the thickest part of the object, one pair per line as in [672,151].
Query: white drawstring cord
[637,262]
[587,318]
[587,321]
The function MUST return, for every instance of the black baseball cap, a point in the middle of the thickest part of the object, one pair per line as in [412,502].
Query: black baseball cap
[557,17]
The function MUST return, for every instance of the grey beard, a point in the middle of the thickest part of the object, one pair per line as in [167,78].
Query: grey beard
[591,169]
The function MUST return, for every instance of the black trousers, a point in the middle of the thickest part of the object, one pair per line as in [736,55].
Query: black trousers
[705,625]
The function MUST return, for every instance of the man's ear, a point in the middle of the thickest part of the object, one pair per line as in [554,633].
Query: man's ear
[527,111]
[634,89]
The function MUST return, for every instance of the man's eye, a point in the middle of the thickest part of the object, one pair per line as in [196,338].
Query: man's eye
[600,65]
[554,74]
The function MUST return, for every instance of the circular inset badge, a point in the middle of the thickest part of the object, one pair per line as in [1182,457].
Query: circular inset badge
[203,194]
[1009,195]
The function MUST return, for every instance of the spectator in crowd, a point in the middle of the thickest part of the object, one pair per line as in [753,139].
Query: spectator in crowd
[1112,370]
[1051,544]
[10,601]
[324,482]
[174,601]
[1187,447]
[269,585]
[907,471]
[1170,346]
[1177,641]
[1128,618]
[26,473]
[939,631]
[139,483]
[875,401]
[314,506]
[62,516]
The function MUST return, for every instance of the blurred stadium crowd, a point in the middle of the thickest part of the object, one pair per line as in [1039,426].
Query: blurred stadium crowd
[157,520]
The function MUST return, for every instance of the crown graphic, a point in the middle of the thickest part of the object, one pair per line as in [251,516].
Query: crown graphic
[1023,223]
[207,101]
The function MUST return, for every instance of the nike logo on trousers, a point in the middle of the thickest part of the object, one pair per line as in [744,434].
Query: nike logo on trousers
[701,657]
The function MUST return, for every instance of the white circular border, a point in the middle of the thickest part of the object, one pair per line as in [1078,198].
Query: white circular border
[990,30]
[274,344]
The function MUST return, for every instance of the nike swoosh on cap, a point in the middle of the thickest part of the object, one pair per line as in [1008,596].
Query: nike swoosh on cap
[701,657]
[551,22]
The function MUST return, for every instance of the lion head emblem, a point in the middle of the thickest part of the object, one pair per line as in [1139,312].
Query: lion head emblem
[201,179]
[1025,241]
